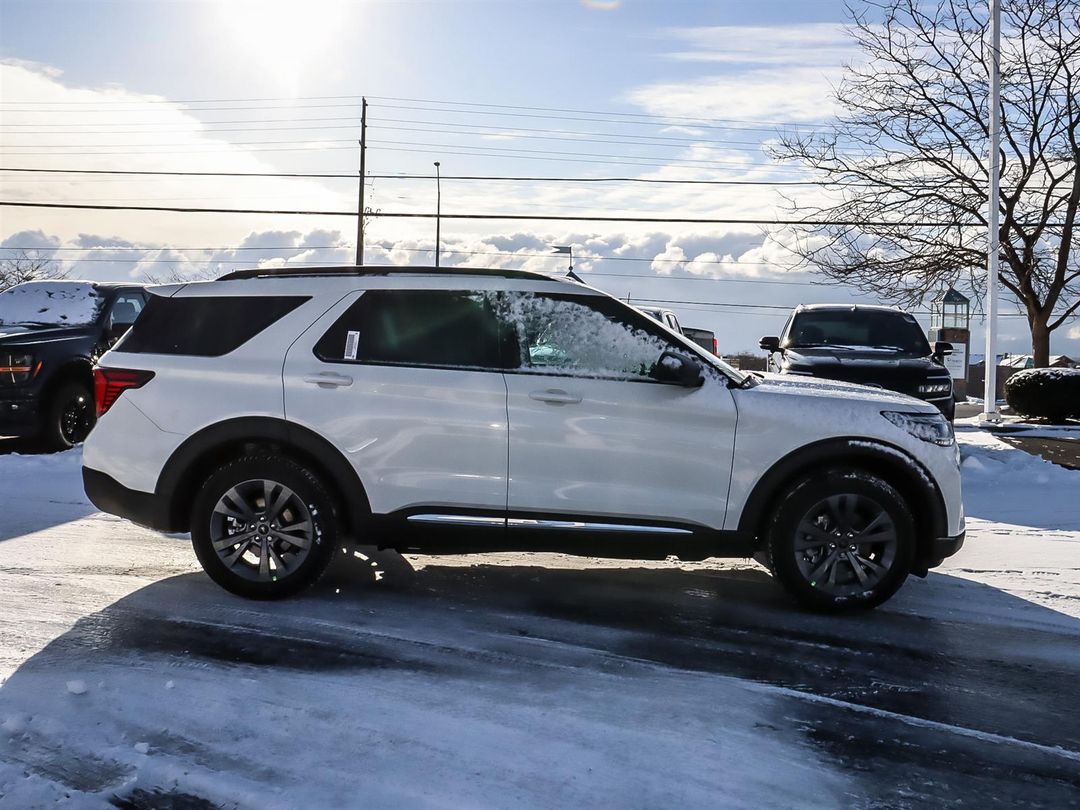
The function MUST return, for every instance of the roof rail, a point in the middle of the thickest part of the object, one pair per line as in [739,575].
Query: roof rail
[380,270]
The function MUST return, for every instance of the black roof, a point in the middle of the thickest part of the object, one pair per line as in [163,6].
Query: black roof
[381,270]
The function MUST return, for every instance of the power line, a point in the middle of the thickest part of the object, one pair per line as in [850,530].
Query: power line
[506,253]
[766,128]
[352,100]
[477,177]
[322,263]
[526,217]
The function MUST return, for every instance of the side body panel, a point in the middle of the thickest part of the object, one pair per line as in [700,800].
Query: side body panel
[624,449]
[415,436]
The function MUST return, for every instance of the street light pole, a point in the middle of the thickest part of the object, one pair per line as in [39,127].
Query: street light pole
[990,412]
[438,210]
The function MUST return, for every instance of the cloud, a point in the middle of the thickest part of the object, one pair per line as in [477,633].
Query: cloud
[770,73]
[113,128]
[790,94]
[33,240]
[825,44]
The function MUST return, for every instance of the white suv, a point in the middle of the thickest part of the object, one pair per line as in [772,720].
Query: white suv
[274,413]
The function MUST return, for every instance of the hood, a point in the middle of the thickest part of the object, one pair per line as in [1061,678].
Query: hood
[787,386]
[16,335]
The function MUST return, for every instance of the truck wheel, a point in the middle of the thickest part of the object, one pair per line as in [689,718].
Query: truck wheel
[68,417]
[841,540]
[263,527]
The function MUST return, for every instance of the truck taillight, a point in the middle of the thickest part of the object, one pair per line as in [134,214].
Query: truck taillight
[110,383]
[715,347]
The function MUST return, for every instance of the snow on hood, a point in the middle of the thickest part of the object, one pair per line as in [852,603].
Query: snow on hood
[54,303]
[795,385]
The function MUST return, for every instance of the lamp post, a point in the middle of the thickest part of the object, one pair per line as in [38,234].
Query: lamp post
[990,412]
[438,209]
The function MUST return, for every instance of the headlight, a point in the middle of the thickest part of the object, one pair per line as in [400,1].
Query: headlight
[935,388]
[930,427]
[15,368]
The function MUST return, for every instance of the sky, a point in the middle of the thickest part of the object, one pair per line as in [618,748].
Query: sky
[552,88]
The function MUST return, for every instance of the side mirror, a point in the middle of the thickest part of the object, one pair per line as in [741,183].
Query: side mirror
[673,367]
[941,348]
[770,344]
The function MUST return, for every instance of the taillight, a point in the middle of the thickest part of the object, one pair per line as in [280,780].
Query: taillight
[715,347]
[110,383]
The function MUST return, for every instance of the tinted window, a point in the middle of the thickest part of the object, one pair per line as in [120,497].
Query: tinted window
[858,328]
[595,337]
[416,328]
[126,309]
[204,326]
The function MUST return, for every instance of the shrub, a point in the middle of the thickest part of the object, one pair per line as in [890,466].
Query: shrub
[1052,393]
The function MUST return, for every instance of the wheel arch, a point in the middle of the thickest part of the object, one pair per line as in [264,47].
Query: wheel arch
[72,369]
[893,464]
[203,452]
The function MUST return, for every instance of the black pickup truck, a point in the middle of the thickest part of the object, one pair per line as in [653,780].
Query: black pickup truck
[51,333]
[872,345]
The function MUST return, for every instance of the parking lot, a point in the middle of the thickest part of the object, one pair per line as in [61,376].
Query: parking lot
[130,677]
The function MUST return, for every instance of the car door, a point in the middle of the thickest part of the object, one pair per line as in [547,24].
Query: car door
[594,435]
[407,384]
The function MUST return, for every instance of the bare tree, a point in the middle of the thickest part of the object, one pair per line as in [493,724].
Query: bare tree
[905,162]
[27,265]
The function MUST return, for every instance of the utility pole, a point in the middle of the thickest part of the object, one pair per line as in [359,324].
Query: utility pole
[438,210]
[363,183]
[993,246]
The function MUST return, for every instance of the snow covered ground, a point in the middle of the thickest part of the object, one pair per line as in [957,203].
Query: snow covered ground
[510,680]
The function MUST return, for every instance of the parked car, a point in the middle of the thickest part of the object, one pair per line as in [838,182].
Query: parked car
[51,333]
[273,413]
[665,316]
[872,345]
[704,338]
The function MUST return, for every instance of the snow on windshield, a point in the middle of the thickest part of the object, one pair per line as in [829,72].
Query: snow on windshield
[50,303]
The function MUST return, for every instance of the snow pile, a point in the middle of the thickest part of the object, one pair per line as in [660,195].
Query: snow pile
[1008,485]
[53,303]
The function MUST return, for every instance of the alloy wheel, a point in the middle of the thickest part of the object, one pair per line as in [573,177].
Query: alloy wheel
[76,419]
[846,545]
[262,530]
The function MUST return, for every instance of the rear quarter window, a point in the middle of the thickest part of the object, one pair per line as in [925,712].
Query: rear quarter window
[205,326]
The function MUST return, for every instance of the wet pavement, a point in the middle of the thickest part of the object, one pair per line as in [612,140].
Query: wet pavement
[907,710]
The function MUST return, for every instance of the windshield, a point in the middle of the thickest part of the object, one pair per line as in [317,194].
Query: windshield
[50,303]
[857,329]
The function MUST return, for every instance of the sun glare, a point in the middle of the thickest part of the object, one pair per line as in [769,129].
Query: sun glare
[287,38]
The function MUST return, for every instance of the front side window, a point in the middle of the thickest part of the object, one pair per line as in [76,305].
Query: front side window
[443,328]
[586,337]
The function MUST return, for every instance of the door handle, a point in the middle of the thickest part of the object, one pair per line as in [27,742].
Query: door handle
[329,379]
[555,396]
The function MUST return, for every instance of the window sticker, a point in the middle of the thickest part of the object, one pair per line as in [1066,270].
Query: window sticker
[352,343]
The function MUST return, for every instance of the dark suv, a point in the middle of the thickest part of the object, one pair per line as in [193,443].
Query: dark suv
[51,333]
[879,346]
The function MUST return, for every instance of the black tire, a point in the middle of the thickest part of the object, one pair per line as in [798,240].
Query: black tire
[821,519]
[267,566]
[68,417]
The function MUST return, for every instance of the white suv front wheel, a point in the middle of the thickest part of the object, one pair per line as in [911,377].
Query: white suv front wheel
[263,527]
[841,540]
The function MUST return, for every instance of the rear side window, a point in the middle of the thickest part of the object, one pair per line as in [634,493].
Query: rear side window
[203,326]
[416,328]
